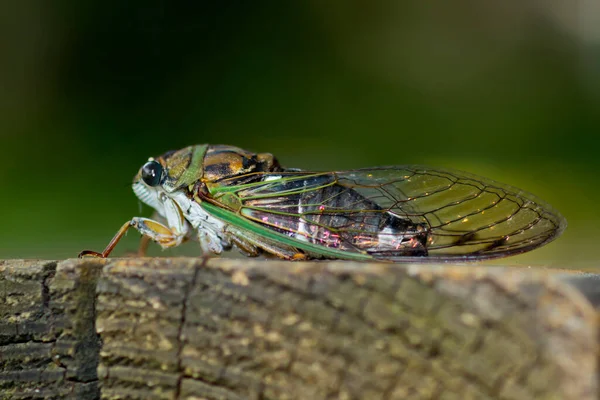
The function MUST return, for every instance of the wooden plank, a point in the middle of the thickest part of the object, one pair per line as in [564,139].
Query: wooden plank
[159,328]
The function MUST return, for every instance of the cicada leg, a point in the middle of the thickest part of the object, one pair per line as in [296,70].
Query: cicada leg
[282,251]
[143,247]
[165,236]
[246,248]
[151,229]
[145,240]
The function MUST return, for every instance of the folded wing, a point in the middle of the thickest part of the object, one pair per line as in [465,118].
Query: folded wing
[397,212]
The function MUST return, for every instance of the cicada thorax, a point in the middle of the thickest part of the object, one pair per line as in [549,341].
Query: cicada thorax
[322,211]
[227,162]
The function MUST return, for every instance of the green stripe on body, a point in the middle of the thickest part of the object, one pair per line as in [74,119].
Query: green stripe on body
[195,170]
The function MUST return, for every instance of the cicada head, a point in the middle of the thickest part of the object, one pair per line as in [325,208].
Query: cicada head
[181,169]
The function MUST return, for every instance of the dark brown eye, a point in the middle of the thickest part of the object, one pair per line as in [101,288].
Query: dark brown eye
[151,173]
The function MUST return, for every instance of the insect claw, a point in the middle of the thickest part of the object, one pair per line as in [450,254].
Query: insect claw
[90,253]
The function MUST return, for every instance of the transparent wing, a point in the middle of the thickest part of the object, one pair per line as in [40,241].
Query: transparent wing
[402,211]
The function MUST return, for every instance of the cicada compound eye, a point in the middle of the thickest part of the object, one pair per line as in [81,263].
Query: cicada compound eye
[151,173]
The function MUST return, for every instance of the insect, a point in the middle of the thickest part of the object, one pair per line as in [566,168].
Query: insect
[227,197]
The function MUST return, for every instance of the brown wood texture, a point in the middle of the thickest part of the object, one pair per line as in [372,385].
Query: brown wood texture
[160,328]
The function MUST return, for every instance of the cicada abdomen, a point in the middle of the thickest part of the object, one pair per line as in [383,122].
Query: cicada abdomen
[319,210]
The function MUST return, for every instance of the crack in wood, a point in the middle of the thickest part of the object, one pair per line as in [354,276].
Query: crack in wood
[180,337]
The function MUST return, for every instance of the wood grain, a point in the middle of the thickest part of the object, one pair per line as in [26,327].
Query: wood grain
[183,328]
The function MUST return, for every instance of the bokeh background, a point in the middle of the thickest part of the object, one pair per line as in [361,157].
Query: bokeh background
[89,90]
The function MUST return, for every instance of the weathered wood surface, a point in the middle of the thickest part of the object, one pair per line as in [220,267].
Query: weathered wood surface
[246,329]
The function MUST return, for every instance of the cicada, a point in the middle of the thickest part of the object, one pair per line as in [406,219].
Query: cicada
[227,197]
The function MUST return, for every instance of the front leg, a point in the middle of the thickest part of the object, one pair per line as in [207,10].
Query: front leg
[170,236]
[151,229]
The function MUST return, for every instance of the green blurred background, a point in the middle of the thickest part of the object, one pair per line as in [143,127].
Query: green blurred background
[90,90]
